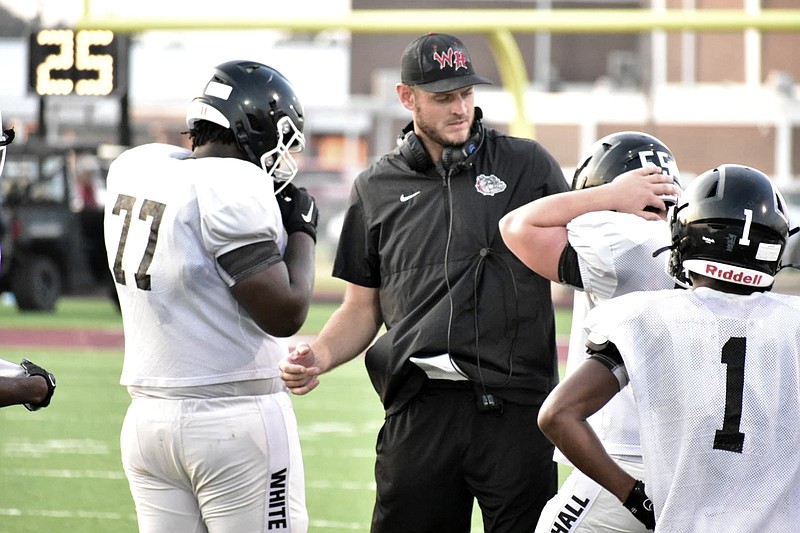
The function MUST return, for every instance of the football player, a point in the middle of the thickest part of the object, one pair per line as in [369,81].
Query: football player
[714,370]
[26,383]
[212,251]
[599,239]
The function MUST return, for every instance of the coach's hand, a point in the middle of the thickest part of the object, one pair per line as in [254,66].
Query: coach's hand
[299,371]
[33,369]
[640,505]
[298,210]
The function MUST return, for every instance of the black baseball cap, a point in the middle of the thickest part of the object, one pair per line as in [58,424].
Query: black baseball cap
[438,63]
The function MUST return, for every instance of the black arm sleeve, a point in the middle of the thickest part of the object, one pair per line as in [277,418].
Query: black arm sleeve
[608,354]
[247,260]
[568,271]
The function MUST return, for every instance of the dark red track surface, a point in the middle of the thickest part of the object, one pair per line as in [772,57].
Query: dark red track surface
[101,339]
[62,338]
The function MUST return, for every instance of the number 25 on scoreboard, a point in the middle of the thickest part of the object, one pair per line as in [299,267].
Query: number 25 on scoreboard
[82,62]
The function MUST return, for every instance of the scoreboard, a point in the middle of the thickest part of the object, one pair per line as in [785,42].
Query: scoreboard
[76,62]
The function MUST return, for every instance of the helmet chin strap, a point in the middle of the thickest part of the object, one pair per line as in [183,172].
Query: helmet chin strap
[241,140]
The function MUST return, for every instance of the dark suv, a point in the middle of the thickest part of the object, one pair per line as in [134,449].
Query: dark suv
[51,224]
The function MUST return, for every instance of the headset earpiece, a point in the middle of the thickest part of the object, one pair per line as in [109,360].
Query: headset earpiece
[412,150]
[463,155]
[417,158]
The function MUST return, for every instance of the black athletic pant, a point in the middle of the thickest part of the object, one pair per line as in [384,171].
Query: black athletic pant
[440,452]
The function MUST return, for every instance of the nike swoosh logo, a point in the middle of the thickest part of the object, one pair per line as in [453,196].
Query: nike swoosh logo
[307,216]
[405,198]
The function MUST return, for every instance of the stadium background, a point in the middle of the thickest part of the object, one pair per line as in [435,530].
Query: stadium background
[713,92]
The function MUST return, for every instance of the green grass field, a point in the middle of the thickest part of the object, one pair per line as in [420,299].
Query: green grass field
[60,468]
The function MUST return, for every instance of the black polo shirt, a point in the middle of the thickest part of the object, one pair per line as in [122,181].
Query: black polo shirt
[448,284]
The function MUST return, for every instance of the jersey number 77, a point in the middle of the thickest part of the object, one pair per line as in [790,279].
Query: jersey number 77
[150,209]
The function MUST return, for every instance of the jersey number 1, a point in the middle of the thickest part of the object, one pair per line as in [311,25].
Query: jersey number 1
[729,438]
[149,209]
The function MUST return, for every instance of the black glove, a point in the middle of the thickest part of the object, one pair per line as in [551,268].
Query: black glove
[298,210]
[35,370]
[640,505]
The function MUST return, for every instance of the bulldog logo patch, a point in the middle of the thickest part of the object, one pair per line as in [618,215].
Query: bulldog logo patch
[489,185]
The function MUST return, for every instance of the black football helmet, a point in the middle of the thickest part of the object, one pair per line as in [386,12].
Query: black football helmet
[731,223]
[620,152]
[6,137]
[259,104]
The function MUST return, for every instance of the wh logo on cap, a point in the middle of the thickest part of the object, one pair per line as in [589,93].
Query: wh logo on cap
[452,58]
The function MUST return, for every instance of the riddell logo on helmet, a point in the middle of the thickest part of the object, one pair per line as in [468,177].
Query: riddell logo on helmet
[734,275]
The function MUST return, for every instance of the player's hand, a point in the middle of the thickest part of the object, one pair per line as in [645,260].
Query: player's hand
[640,505]
[298,210]
[644,191]
[33,369]
[299,371]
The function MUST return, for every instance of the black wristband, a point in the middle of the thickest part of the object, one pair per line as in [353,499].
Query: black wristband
[305,228]
[35,370]
[640,505]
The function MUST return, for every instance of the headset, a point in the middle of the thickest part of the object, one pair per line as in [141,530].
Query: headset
[456,157]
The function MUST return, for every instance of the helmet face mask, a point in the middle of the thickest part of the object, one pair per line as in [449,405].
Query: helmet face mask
[731,224]
[261,108]
[278,163]
[621,152]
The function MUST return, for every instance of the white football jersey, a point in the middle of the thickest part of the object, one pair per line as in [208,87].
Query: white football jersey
[11,370]
[615,257]
[167,219]
[716,379]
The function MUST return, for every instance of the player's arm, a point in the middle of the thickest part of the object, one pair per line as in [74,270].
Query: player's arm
[348,332]
[277,293]
[33,388]
[537,232]
[16,391]
[273,285]
[563,419]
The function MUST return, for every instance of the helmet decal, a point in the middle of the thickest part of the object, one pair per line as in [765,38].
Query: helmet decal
[731,273]
[621,152]
[220,90]
[201,110]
